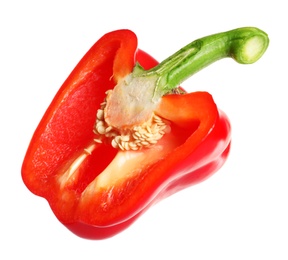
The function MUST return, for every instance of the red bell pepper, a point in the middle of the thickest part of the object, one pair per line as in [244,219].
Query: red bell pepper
[121,135]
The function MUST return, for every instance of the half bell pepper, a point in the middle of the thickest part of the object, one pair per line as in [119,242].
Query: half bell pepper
[121,135]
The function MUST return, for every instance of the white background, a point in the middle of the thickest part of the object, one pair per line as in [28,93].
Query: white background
[239,213]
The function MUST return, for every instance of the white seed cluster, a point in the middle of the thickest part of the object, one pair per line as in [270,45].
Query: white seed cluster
[130,139]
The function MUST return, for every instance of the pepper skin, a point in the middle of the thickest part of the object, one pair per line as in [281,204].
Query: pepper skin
[97,190]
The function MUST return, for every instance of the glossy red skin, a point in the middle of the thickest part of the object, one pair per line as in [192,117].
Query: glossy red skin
[62,135]
[196,168]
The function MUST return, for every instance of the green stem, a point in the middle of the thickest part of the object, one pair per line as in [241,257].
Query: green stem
[245,45]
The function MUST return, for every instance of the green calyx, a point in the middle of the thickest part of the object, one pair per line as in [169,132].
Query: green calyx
[245,45]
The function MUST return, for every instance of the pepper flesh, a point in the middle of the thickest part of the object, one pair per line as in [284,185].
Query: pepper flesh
[95,190]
